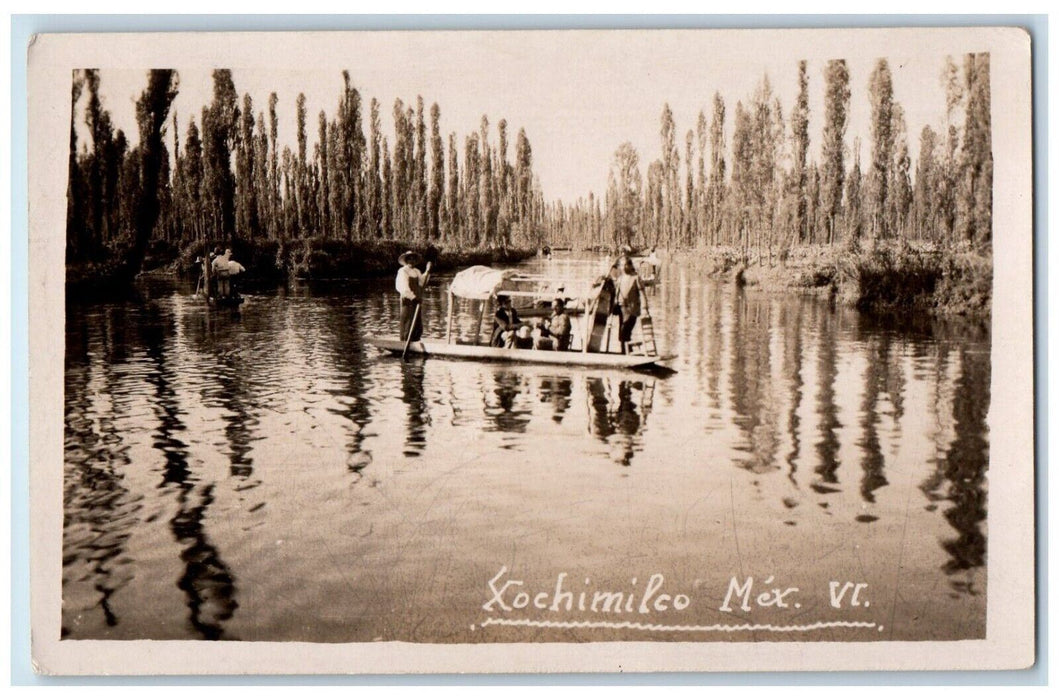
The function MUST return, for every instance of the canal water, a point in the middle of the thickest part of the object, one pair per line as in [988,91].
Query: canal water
[268,475]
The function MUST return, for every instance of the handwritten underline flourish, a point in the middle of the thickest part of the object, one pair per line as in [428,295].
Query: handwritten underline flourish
[651,627]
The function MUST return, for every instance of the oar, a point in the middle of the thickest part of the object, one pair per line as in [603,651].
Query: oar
[415,314]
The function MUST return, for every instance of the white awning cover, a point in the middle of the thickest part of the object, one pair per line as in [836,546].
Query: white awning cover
[479,282]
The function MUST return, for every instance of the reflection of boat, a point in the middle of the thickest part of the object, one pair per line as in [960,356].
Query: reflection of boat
[482,285]
[575,358]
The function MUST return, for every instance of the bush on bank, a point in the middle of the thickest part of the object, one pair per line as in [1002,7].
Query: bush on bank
[885,278]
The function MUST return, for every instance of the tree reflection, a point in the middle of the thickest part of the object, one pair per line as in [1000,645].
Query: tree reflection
[963,467]
[792,370]
[348,358]
[827,371]
[875,381]
[753,399]
[100,513]
[206,581]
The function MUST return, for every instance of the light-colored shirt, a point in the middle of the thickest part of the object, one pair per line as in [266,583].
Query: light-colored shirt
[220,264]
[629,295]
[409,282]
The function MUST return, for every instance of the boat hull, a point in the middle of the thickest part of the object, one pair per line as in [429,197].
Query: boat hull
[538,357]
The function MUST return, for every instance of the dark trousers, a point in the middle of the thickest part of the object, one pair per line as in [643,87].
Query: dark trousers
[408,308]
[625,329]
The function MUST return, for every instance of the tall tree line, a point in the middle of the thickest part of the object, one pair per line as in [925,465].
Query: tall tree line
[765,191]
[229,179]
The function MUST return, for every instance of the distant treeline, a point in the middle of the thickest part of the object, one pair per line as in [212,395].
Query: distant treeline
[228,180]
[764,192]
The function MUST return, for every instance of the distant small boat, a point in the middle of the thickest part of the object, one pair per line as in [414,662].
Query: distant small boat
[571,358]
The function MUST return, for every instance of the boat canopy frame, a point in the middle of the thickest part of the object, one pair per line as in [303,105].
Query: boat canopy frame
[513,276]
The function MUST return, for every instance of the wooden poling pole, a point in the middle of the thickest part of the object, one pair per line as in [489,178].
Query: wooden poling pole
[415,314]
[589,324]
[448,325]
[411,329]
[478,331]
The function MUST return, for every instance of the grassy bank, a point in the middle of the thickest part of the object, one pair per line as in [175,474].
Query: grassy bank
[890,278]
[273,261]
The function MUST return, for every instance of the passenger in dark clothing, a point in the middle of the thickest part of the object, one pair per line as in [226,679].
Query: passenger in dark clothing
[505,323]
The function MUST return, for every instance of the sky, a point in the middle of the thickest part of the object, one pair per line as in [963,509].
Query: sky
[578,95]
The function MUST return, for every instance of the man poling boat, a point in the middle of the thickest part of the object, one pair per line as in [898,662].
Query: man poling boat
[552,340]
[216,279]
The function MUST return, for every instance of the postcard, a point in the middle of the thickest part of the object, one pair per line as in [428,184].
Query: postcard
[531,351]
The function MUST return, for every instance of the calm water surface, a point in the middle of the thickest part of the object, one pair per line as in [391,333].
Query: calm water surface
[270,476]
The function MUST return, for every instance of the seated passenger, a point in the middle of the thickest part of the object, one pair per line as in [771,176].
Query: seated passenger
[505,322]
[558,330]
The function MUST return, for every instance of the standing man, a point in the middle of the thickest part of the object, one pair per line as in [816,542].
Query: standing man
[629,290]
[222,271]
[410,283]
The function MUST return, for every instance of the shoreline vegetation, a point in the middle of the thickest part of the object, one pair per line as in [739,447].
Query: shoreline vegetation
[746,193]
[884,279]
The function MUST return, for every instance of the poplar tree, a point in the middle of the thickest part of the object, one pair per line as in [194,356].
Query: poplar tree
[975,190]
[301,175]
[716,187]
[471,182]
[923,196]
[386,196]
[275,199]
[880,90]
[800,133]
[420,204]
[702,134]
[437,175]
[77,243]
[900,186]
[220,129]
[374,181]
[453,228]
[670,166]
[152,113]
[626,184]
[836,113]
[244,171]
[689,189]
[524,176]
[854,214]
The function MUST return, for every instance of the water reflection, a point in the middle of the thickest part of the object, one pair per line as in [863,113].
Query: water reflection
[413,397]
[827,370]
[173,414]
[99,509]
[505,406]
[206,580]
[557,392]
[960,474]
[619,414]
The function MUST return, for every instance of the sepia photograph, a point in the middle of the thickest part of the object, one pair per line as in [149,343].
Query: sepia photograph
[553,338]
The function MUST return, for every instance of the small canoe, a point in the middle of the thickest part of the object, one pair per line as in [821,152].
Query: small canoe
[573,358]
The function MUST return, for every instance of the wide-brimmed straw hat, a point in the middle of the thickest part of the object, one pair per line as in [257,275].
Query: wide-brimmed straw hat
[409,257]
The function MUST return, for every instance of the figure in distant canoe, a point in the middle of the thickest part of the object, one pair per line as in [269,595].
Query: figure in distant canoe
[629,290]
[221,273]
[410,283]
[224,269]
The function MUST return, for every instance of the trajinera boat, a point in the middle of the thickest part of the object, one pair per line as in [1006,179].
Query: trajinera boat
[594,336]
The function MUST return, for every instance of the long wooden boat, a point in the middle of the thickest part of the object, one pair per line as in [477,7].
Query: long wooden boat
[573,358]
